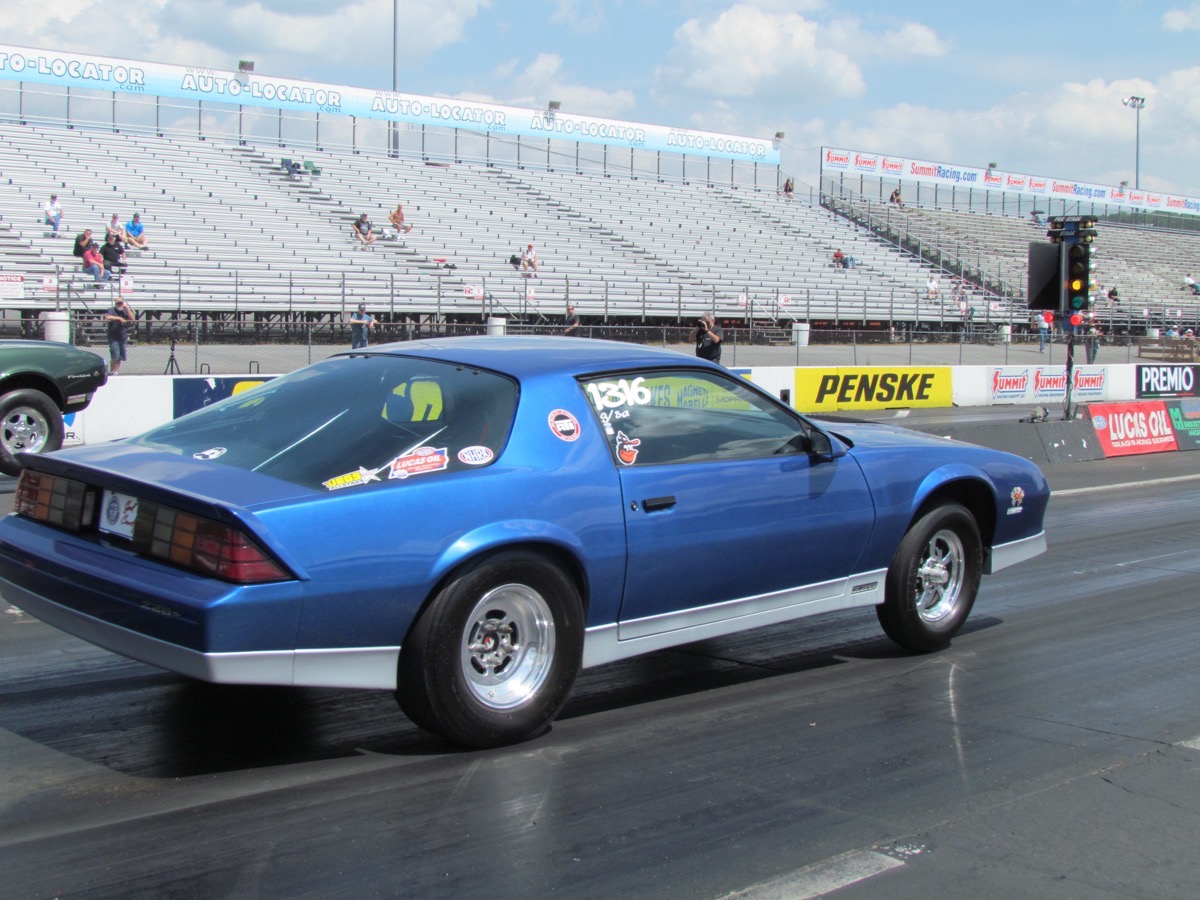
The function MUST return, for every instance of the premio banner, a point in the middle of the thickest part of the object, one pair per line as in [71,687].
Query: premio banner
[249,89]
[902,168]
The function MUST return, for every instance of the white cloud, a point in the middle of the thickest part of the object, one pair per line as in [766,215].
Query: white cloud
[542,80]
[579,15]
[1182,19]
[319,41]
[747,51]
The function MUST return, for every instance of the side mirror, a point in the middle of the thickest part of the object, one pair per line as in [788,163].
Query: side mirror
[822,446]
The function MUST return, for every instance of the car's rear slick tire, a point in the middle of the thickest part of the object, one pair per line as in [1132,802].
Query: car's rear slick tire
[933,579]
[29,422]
[491,659]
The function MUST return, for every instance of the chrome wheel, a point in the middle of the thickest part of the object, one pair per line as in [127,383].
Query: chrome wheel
[25,429]
[939,577]
[508,646]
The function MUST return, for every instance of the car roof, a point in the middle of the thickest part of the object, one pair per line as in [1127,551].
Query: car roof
[526,355]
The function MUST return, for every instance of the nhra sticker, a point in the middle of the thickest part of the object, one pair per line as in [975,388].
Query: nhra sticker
[627,451]
[419,462]
[210,454]
[564,425]
[352,479]
[1017,496]
[475,456]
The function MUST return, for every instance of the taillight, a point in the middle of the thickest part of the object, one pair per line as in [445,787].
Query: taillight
[202,545]
[55,501]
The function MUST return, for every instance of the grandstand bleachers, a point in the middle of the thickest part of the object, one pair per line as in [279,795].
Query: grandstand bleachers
[231,232]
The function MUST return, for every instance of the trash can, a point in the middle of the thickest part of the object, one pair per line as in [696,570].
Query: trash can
[1006,334]
[1151,332]
[57,326]
[497,325]
[800,333]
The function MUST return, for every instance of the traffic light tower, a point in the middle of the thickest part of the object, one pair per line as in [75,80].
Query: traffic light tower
[1060,277]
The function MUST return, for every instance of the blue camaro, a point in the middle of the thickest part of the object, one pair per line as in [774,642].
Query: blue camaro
[470,521]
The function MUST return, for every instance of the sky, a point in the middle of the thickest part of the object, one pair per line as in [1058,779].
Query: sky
[1035,87]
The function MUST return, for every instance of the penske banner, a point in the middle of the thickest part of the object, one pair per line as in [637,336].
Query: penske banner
[827,390]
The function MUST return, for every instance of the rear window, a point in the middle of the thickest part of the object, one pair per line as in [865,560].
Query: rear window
[353,421]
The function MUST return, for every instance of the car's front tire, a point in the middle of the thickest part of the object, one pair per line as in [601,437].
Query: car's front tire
[490,661]
[30,423]
[933,579]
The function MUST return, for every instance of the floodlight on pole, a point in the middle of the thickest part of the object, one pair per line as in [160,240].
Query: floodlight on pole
[1137,104]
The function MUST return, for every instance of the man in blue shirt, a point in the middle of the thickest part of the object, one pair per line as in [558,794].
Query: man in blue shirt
[361,324]
[135,233]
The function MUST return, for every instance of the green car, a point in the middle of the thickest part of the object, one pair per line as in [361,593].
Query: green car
[40,382]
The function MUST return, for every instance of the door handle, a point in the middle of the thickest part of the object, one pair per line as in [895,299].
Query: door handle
[653,504]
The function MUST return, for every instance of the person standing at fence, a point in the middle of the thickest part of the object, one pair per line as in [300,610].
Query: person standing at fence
[361,323]
[118,320]
[1043,333]
[571,322]
[707,337]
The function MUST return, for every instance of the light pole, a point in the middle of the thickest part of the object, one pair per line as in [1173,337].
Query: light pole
[1137,104]
[393,125]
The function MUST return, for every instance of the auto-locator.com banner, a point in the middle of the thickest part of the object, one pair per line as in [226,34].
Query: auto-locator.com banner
[904,169]
[249,89]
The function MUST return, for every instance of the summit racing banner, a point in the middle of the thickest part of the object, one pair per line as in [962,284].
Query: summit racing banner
[872,388]
[1125,429]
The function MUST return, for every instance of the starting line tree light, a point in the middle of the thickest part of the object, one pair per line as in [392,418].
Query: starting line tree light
[1060,272]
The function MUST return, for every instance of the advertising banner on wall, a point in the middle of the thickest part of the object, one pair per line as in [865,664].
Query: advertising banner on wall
[1185,419]
[1041,384]
[900,168]
[1125,429]
[250,89]
[1168,380]
[867,387]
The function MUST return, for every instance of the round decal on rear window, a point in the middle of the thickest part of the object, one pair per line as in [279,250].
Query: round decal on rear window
[564,425]
[475,456]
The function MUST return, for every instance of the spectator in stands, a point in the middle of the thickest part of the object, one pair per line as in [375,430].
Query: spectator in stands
[571,322]
[932,290]
[135,233]
[114,227]
[83,240]
[295,169]
[397,219]
[53,213]
[789,188]
[1114,296]
[93,263]
[118,320]
[707,337]
[842,261]
[896,199]
[1038,221]
[1190,283]
[361,229]
[361,323]
[529,261]
[113,254]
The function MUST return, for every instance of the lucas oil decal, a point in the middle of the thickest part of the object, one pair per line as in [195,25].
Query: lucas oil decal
[418,462]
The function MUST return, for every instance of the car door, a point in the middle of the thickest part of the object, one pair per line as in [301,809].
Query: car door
[725,508]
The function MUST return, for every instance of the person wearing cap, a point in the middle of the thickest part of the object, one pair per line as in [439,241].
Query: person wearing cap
[118,319]
[135,233]
[53,213]
[571,322]
[361,323]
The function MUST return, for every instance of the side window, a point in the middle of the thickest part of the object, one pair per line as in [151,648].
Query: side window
[689,416]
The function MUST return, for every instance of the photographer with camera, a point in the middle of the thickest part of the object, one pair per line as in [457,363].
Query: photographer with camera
[707,337]
[118,320]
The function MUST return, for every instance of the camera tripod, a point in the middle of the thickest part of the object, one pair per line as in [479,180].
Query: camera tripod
[172,365]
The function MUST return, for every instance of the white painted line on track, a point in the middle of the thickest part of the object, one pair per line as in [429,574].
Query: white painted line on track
[1193,744]
[820,878]
[1128,484]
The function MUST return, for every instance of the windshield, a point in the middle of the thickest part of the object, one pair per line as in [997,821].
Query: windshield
[352,421]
